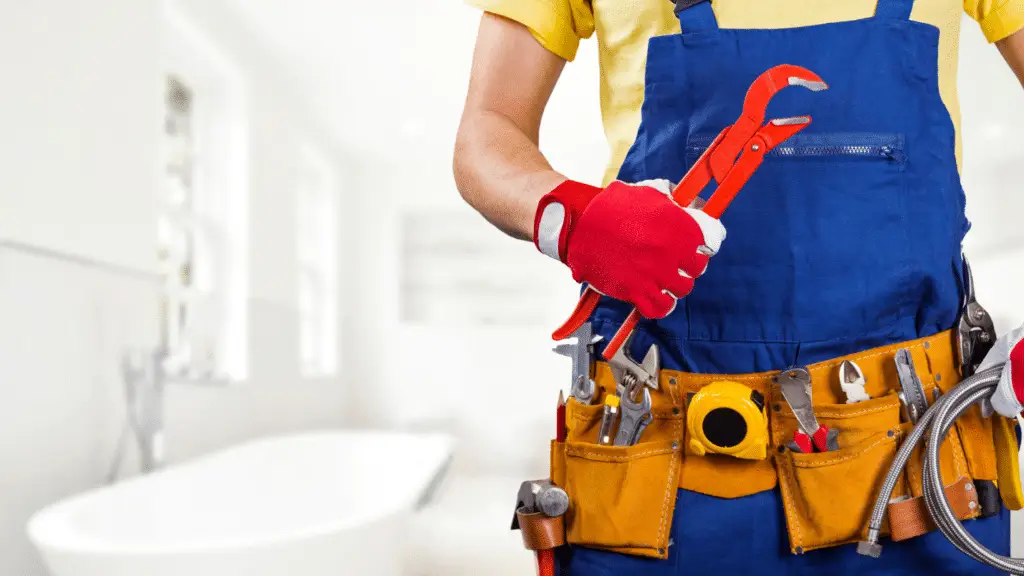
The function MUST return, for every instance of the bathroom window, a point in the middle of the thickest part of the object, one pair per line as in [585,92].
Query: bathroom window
[201,212]
[316,223]
[178,229]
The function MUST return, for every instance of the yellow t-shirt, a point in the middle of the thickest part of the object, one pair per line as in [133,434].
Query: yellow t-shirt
[624,26]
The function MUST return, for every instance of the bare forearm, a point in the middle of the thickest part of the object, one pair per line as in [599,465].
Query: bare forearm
[1012,49]
[501,172]
[498,166]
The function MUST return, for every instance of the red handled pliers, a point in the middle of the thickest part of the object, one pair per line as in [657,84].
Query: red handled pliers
[731,160]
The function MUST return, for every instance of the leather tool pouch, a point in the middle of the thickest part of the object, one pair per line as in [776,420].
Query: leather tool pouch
[953,460]
[621,497]
[828,496]
[907,515]
[540,532]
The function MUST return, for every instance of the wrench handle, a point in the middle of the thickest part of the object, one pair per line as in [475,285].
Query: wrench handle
[715,207]
[621,335]
[584,308]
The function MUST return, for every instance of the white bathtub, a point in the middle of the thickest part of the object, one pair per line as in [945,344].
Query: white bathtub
[323,504]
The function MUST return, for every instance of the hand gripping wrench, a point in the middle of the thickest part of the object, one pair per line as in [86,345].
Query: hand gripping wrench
[795,385]
[580,352]
[731,160]
[975,332]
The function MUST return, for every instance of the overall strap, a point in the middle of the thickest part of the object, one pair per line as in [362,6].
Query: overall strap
[894,9]
[695,15]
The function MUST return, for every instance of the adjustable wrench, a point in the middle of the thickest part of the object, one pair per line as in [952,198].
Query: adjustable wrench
[635,415]
[634,380]
[580,350]
[623,367]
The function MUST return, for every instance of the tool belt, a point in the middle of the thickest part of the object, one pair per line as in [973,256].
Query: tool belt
[623,497]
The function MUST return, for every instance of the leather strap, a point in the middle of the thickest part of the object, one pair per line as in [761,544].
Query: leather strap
[541,532]
[909,518]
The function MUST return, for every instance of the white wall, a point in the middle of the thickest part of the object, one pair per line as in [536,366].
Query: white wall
[82,125]
[81,117]
[79,113]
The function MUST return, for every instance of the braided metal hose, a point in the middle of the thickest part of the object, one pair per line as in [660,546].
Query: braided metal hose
[936,423]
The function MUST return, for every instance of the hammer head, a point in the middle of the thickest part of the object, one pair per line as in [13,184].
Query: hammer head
[540,496]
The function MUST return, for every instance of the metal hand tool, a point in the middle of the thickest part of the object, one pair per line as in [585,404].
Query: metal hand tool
[608,418]
[581,350]
[631,379]
[912,395]
[975,332]
[851,380]
[635,414]
[540,496]
[625,369]
[795,385]
[730,160]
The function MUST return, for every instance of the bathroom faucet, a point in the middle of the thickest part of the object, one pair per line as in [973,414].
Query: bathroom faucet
[146,374]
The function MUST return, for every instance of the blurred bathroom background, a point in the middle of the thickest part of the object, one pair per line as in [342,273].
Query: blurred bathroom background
[264,188]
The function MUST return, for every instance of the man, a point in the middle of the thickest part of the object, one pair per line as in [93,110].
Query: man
[844,246]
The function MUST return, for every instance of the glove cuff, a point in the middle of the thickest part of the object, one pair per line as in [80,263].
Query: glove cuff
[557,212]
[1015,371]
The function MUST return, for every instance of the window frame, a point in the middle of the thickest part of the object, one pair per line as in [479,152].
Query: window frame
[214,297]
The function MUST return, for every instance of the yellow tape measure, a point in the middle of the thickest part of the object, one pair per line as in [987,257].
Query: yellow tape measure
[728,418]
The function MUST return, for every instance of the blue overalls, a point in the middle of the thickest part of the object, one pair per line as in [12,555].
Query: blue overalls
[848,237]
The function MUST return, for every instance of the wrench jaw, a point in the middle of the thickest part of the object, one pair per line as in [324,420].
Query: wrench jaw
[652,365]
[773,81]
[646,372]
[580,349]
[777,131]
[583,389]
[812,85]
[635,415]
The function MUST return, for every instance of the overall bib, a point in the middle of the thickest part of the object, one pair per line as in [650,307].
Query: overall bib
[847,238]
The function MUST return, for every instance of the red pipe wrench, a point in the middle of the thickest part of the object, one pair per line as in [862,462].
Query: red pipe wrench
[731,160]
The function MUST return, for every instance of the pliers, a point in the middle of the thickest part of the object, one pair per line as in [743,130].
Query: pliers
[731,160]
[795,385]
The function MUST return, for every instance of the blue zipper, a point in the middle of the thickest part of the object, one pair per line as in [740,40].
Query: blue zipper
[847,144]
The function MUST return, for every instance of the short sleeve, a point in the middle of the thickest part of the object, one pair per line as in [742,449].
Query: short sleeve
[998,18]
[557,24]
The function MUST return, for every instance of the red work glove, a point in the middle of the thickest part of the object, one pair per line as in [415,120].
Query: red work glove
[629,241]
[1008,398]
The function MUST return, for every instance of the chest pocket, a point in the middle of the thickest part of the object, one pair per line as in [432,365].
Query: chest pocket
[821,210]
